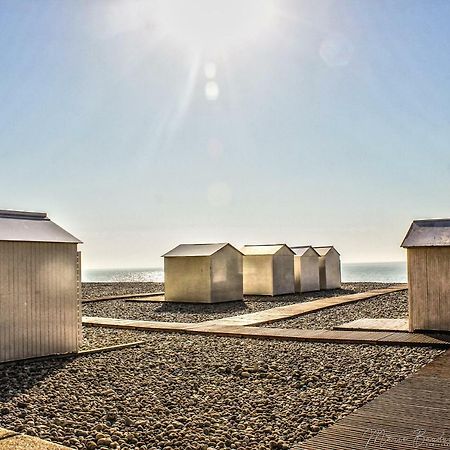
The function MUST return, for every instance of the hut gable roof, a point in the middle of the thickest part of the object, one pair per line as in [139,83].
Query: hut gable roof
[428,233]
[265,249]
[32,227]
[196,250]
[304,250]
[324,250]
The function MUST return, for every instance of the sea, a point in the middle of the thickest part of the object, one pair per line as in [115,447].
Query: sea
[383,272]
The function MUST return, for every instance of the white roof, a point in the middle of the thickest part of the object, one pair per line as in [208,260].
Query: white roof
[428,233]
[322,251]
[196,250]
[269,249]
[32,227]
[302,249]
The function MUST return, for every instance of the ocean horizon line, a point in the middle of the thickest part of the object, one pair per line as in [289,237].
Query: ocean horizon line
[383,272]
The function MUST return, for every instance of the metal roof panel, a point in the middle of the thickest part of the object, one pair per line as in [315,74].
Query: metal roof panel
[196,250]
[264,249]
[32,227]
[428,233]
[300,250]
[323,250]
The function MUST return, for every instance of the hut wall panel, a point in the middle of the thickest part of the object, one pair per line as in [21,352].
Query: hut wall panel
[38,299]
[417,270]
[323,272]
[298,273]
[258,275]
[79,294]
[429,288]
[330,271]
[306,270]
[433,298]
[187,279]
[333,271]
[226,275]
[438,284]
[283,274]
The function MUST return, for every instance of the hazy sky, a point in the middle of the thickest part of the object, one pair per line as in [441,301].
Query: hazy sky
[139,125]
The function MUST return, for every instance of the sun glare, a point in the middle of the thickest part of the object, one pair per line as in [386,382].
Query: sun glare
[215,25]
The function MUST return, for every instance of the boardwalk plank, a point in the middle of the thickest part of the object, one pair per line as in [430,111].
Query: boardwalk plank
[413,414]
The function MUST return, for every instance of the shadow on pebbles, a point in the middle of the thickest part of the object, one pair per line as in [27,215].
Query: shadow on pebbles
[197,392]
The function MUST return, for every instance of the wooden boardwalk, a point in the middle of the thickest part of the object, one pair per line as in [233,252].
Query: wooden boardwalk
[298,309]
[243,326]
[9,440]
[375,325]
[415,414]
[256,318]
[291,334]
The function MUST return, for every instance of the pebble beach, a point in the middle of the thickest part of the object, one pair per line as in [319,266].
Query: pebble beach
[197,392]
[193,392]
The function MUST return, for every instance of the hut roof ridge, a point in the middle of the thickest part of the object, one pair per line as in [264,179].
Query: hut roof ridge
[182,250]
[263,249]
[302,249]
[322,250]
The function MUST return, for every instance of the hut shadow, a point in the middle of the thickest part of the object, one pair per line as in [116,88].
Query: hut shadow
[298,297]
[18,377]
[201,308]
[441,335]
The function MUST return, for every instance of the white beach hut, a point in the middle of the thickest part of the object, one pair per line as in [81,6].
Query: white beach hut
[428,251]
[306,269]
[203,273]
[39,287]
[329,267]
[268,269]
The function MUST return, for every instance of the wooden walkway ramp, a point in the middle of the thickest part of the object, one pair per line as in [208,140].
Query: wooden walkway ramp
[375,325]
[415,414]
[257,318]
[291,334]
[243,326]
[297,309]
[10,440]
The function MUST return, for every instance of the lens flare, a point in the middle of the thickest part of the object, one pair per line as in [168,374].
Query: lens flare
[215,24]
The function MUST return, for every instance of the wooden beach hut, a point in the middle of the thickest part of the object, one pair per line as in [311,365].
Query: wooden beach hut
[306,269]
[39,287]
[203,273]
[428,252]
[329,267]
[268,269]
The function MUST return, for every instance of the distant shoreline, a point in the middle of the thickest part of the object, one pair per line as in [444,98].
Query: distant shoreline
[383,272]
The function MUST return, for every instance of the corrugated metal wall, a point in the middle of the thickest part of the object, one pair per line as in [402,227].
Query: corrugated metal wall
[39,302]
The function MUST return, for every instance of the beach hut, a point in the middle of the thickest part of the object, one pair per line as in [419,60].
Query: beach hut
[428,252]
[203,273]
[39,287]
[268,269]
[329,267]
[306,269]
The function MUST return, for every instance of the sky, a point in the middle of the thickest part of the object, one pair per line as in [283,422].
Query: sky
[139,125]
